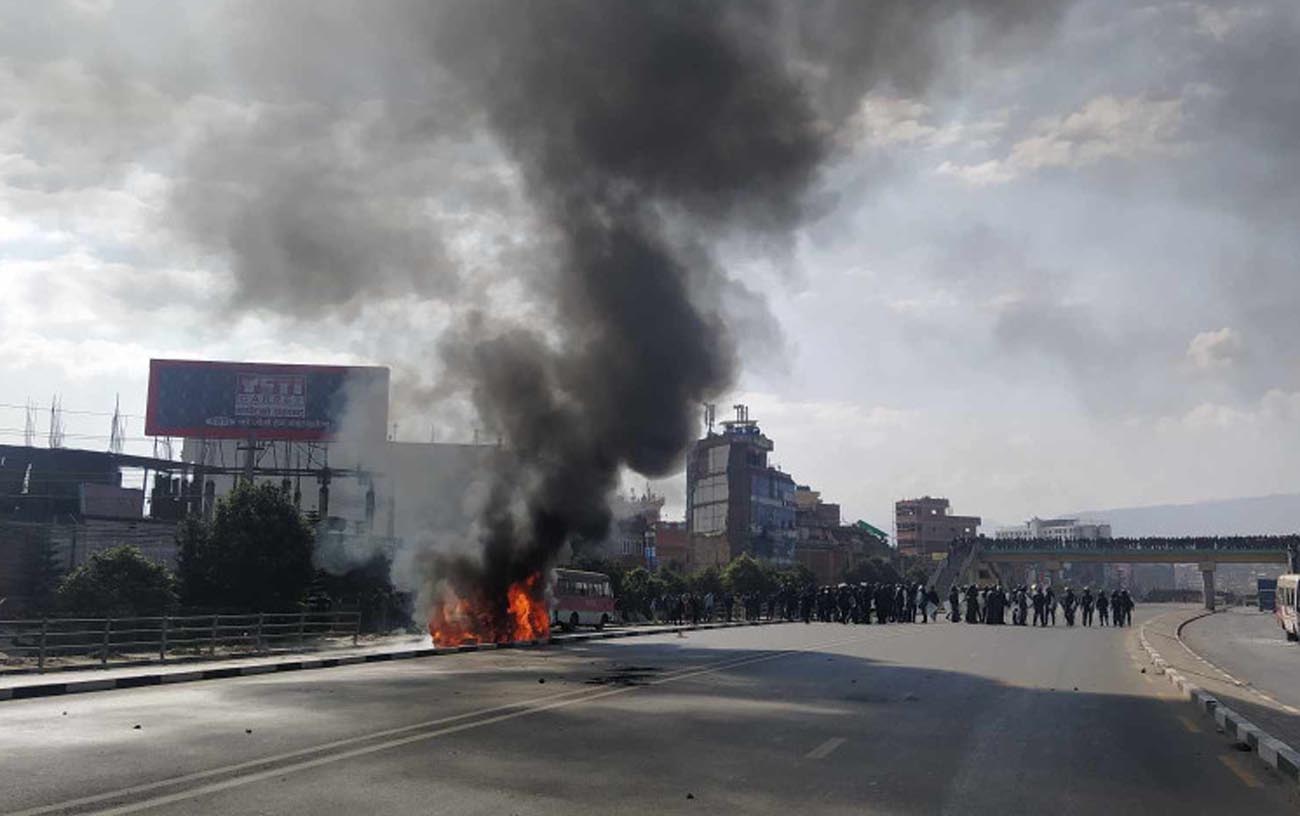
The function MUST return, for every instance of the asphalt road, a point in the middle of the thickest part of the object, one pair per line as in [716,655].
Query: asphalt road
[945,718]
[1250,646]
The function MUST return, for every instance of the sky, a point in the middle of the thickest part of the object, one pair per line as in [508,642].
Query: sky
[1053,267]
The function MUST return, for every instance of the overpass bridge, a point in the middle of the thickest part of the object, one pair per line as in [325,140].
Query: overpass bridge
[966,556]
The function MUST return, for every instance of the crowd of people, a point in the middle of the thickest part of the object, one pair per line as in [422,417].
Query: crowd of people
[903,603]
[992,605]
[1274,543]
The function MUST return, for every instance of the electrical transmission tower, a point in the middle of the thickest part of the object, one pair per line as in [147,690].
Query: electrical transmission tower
[117,435]
[29,430]
[56,422]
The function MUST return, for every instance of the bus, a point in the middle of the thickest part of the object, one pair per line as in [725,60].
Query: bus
[581,598]
[1284,605]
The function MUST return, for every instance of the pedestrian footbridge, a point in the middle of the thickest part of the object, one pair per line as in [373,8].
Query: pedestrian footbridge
[967,555]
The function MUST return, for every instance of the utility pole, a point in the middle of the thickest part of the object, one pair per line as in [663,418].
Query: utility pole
[250,458]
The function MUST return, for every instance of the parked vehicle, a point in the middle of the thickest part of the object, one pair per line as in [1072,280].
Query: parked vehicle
[581,598]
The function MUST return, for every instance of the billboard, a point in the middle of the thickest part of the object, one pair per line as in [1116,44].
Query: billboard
[216,400]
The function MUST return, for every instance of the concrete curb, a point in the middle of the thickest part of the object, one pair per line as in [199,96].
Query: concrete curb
[1271,751]
[155,678]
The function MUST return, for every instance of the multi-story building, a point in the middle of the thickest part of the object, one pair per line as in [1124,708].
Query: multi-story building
[672,547]
[827,546]
[734,497]
[926,526]
[1058,529]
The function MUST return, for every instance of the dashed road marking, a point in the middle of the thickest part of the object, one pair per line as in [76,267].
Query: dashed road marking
[824,750]
[413,734]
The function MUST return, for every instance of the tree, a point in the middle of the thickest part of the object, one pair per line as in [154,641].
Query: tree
[744,576]
[367,587]
[798,576]
[638,589]
[671,580]
[256,556]
[118,583]
[916,574]
[704,581]
[42,569]
[872,571]
[192,578]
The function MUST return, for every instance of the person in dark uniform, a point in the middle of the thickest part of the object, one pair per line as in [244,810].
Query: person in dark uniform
[883,596]
[1049,604]
[1040,606]
[993,607]
[1103,608]
[954,605]
[1116,609]
[1022,604]
[1085,603]
[1068,604]
[1127,600]
[971,604]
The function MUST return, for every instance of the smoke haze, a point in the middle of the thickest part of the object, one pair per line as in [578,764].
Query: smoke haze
[643,134]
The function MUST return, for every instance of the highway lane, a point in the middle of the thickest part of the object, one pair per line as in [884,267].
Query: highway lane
[945,718]
[1250,646]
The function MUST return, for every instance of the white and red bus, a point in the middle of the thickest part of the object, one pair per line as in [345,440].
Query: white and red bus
[580,598]
[1284,605]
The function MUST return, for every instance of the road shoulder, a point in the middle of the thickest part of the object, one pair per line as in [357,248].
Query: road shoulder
[1252,721]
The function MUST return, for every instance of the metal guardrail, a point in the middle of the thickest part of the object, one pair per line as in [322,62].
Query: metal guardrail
[107,639]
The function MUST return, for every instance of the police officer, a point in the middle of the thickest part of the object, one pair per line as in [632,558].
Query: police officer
[1040,606]
[1049,604]
[1103,608]
[972,604]
[1085,603]
[1068,602]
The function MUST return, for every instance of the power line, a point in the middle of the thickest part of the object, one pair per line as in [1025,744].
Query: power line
[89,413]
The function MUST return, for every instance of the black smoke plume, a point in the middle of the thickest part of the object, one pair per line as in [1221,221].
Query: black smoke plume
[640,128]
[643,135]
[646,132]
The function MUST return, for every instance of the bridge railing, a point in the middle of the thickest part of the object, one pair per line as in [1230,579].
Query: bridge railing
[89,641]
[1194,544]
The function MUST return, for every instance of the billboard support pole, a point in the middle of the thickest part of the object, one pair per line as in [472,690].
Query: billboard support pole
[250,459]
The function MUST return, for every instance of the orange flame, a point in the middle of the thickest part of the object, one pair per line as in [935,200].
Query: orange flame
[456,621]
[528,608]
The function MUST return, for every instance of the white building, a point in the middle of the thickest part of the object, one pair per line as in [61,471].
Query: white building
[1061,529]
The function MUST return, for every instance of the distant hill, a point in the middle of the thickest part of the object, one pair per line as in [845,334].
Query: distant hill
[1256,515]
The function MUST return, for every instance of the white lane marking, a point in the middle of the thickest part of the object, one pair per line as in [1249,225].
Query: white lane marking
[534,706]
[824,750]
[315,749]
